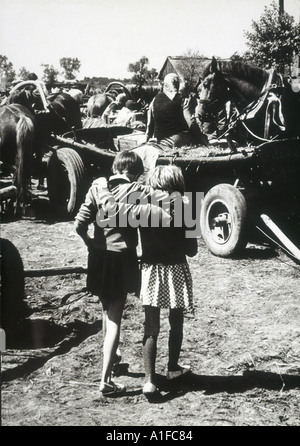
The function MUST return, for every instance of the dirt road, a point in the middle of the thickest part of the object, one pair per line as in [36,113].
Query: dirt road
[243,343]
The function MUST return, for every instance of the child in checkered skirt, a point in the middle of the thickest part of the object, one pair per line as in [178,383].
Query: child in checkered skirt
[113,269]
[166,279]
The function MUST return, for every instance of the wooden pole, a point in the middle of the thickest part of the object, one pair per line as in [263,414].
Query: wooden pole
[281,236]
[55,271]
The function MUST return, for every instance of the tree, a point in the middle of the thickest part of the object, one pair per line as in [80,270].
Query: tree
[236,57]
[152,76]
[275,38]
[24,74]
[142,74]
[191,67]
[49,74]
[6,68]
[70,65]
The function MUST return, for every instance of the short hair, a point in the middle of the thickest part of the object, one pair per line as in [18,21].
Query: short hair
[168,178]
[128,161]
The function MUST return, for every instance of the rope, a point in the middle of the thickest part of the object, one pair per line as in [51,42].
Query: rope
[258,137]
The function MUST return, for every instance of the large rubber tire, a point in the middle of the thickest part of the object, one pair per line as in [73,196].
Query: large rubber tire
[223,220]
[65,181]
[13,307]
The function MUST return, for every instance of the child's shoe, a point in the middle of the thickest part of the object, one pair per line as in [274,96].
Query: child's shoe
[173,374]
[112,389]
[149,389]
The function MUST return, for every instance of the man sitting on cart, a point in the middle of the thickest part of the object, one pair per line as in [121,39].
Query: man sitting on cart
[170,121]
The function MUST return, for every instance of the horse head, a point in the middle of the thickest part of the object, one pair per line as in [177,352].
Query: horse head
[213,91]
[241,85]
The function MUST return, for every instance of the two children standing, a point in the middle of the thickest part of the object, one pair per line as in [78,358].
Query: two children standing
[113,269]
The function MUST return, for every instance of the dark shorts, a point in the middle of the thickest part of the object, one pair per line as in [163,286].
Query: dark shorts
[112,274]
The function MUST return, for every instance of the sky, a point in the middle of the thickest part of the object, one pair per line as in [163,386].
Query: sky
[107,35]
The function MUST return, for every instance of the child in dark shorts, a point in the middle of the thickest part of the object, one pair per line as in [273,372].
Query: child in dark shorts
[113,269]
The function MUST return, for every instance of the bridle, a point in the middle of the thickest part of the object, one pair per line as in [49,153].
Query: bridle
[213,105]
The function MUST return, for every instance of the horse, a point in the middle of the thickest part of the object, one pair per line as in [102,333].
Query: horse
[17,132]
[252,92]
[97,104]
[141,96]
[61,115]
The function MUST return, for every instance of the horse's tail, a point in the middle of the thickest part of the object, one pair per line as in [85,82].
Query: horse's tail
[24,140]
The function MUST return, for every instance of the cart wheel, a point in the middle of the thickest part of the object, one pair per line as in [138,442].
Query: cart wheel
[13,307]
[223,220]
[65,181]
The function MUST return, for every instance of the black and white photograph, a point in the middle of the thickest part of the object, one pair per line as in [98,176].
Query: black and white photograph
[150,215]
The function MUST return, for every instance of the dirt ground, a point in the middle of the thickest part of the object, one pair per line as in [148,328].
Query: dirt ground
[242,343]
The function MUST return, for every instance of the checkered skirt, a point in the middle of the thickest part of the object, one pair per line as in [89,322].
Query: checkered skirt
[167,286]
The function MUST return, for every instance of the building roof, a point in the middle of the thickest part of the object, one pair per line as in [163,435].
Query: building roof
[173,64]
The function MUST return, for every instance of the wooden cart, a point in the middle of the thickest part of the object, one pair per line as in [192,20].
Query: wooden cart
[238,186]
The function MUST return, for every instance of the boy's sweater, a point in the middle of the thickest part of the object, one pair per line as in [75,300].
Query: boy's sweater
[99,198]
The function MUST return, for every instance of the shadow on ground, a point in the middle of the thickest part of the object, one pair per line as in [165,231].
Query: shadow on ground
[42,334]
[216,384]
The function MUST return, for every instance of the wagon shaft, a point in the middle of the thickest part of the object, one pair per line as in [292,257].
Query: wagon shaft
[45,272]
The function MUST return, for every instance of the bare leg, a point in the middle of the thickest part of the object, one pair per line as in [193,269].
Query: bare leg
[149,352]
[112,321]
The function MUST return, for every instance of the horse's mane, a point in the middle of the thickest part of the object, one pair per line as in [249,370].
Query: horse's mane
[240,70]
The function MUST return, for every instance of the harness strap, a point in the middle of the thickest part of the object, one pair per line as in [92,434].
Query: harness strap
[256,136]
[274,104]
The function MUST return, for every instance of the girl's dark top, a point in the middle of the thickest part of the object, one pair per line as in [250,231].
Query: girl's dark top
[167,245]
[168,116]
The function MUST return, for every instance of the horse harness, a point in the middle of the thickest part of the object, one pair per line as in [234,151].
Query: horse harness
[270,96]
